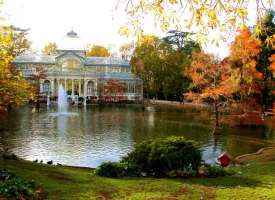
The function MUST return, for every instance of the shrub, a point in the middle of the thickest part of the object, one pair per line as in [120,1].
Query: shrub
[214,171]
[160,157]
[14,187]
[110,169]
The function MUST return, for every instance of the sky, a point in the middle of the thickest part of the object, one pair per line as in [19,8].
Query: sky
[94,20]
[50,20]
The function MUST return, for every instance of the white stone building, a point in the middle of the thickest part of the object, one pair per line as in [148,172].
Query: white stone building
[81,76]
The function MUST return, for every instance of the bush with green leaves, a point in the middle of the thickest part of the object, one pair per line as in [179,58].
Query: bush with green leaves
[173,156]
[110,169]
[116,169]
[160,157]
[14,187]
[215,171]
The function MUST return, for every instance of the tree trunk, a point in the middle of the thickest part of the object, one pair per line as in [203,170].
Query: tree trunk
[216,115]
[217,125]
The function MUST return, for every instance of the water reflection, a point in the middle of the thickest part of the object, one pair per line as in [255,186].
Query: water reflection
[100,134]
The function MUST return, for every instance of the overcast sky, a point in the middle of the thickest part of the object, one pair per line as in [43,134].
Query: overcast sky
[93,20]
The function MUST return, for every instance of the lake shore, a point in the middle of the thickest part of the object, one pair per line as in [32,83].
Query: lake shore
[67,182]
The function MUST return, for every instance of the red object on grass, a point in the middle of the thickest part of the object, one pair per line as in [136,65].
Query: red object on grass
[225,159]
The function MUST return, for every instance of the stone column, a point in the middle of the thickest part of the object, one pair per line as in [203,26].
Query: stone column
[84,92]
[85,88]
[65,85]
[52,87]
[41,88]
[95,88]
[58,83]
[79,87]
[72,88]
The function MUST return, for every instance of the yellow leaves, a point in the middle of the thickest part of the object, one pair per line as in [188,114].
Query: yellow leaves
[173,1]
[125,30]
[197,16]
[270,41]
[242,13]
[98,51]
[164,26]
[50,49]
[212,15]
[13,90]
[232,21]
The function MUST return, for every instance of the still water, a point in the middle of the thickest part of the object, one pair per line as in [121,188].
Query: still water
[91,135]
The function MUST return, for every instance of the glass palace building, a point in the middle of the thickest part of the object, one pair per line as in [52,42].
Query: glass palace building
[81,76]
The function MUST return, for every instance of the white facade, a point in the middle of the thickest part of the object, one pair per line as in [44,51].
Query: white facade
[81,76]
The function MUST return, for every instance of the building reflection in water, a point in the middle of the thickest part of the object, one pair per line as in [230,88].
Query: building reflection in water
[107,133]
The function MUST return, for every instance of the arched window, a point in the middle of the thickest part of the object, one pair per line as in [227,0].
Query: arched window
[90,87]
[46,86]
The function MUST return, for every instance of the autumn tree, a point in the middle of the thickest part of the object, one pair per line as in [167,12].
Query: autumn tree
[98,51]
[212,82]
[50,49]
[36,77]
[243,57]
[20,44]
[272,69]
[14,90]
[113,88]
[201,17]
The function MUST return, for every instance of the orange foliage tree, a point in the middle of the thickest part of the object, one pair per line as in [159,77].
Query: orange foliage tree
[272,68]
[244,51]
[211,82]
[113,88]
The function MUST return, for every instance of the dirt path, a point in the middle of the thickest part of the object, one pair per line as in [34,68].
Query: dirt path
[263,155]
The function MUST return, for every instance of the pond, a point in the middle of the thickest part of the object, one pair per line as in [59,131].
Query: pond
[94,134]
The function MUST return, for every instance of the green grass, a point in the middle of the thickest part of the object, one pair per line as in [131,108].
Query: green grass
[256,181]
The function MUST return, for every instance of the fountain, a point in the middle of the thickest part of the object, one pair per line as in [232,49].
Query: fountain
[62,105]
[62,100]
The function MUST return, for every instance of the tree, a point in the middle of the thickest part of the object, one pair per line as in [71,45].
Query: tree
[148,62]
[50,49]
[244,51]
[126,50]
[160,67]
[98,51]
[264,60]
[193,15]
[14,90]
[36,77]
[272,68]
[212,82]
[20,43]
[181,40]
[113,88]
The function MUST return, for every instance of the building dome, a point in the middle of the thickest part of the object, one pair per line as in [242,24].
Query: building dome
[71,42]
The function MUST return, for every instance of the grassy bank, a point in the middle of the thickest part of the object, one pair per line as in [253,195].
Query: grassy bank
[255,181]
